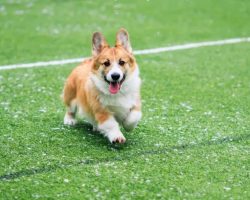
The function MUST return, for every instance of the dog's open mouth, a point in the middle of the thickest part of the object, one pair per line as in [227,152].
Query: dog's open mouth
[114,86]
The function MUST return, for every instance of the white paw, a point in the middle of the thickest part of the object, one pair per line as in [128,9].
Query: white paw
[132,120]
[110,129]
[69,120]
[116,138]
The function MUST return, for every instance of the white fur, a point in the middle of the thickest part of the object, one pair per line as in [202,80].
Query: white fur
[132,120]
[129,87]
[115,69]
[120,103]
[69,120]
[110,129]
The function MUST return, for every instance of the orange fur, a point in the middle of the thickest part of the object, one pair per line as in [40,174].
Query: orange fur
[76,88]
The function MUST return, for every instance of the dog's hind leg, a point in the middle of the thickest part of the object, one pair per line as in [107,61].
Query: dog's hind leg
[69,98]
[70,115]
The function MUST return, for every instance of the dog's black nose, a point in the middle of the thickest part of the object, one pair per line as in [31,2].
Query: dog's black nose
[115,76]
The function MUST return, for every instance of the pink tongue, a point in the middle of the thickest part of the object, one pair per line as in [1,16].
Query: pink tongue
[114,88]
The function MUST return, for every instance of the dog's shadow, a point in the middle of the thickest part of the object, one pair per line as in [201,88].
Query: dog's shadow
[85,132]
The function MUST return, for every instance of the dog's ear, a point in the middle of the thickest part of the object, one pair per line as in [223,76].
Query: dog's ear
[122,39]
[98,43]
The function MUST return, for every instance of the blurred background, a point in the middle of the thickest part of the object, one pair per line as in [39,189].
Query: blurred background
[63,29]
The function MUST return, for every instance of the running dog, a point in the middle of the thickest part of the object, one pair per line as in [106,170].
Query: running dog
[105,89]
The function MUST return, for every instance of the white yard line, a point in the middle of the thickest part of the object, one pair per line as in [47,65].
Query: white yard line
[192,45]
[136,52]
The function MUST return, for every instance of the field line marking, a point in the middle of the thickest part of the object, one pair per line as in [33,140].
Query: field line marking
[136,52]
[48,168]
[192,46]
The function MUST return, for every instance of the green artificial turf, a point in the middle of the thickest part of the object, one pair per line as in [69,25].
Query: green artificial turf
[193,141]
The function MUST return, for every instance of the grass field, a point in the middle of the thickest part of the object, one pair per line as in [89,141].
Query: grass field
[194,139]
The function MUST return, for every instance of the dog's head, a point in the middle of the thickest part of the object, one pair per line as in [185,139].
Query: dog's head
[112,65]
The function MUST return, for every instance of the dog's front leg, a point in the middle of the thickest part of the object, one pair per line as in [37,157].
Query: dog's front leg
[132,119]
[109,127]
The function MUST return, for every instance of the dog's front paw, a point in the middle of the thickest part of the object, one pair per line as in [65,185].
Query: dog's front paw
[69,120]
[117,138]
[132,120]
[110,129]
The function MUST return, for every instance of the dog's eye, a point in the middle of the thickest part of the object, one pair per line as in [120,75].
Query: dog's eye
[121,62]
[106,63]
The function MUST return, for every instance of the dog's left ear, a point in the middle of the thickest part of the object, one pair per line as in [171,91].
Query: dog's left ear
[122,39]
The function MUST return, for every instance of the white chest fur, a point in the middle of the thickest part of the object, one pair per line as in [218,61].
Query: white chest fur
[121,103]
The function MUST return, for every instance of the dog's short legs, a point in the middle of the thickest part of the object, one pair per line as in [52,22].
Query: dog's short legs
[132,119]
[69,118]
[110,128]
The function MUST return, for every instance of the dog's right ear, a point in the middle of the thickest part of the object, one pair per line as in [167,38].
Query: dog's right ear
[122,39]
[98,43]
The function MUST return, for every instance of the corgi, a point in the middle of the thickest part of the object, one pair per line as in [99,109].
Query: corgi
[105,89]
